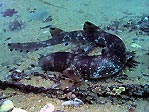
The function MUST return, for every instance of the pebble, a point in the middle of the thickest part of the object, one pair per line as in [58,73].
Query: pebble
[146,18]
[18,110]
[75,102]
[134,45]
[48,108]
[6,106]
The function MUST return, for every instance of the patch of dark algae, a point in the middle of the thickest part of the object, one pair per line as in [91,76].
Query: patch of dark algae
[131,90]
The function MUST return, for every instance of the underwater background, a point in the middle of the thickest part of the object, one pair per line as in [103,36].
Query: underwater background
[23,21]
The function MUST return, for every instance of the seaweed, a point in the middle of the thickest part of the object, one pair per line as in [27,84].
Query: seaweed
[87,96]
[9,12]
[88,93]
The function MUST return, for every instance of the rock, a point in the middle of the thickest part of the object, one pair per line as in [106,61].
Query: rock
[6,106]
[75,102]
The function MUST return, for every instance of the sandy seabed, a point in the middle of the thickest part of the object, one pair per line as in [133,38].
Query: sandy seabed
[70,15]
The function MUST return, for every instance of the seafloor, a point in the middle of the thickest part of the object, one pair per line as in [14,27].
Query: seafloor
[125,18]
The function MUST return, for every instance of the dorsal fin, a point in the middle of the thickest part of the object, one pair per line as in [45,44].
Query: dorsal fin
[90,27]
[56,31]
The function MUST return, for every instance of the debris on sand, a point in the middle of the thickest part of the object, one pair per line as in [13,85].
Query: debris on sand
[16,25]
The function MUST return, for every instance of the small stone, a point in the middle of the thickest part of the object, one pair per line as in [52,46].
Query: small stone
[48,108]
[134,45]
[75,102]
[18,110]
[146,18]
[6,106]
[107,81]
